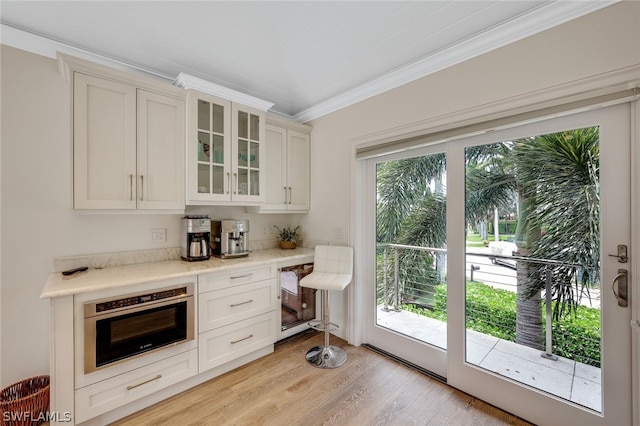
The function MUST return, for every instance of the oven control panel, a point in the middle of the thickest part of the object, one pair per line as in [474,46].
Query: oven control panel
[139,299]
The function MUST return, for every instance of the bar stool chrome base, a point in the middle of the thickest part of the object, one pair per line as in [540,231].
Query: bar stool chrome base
[326,356]
[332,270]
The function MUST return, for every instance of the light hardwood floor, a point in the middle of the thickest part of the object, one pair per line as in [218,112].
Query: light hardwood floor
[282,389]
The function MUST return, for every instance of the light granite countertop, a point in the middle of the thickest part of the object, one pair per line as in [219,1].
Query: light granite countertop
[100,278]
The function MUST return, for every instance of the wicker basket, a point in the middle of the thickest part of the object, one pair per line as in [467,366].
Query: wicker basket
[25,402]
[287,245]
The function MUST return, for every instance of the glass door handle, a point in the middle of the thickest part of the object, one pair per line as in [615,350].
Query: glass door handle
[622,293]
[228,181]
[622,254]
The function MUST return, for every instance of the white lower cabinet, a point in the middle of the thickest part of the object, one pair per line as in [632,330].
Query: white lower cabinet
[228,343]
[237,321]
[96,399]
[222,307]
[237,314]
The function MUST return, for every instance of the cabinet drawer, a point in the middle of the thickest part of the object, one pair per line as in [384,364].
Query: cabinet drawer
[222,307]
[96,399]
[220,280]
[225,344]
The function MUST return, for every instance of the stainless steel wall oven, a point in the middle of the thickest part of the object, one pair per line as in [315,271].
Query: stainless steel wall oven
[117,329]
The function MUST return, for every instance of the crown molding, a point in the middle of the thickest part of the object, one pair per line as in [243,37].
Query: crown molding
[49,48]
[187,81]
[546,16]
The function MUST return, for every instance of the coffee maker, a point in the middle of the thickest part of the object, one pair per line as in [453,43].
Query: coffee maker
[230,238]
[196,238]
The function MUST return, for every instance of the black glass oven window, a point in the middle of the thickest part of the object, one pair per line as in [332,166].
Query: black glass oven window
[159,321]
[127,335]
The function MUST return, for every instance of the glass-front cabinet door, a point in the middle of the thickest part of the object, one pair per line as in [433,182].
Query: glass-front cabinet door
[248,154]
[209,156]
[225,151]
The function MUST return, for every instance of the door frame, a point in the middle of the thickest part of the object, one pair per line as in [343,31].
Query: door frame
[362,222]
[378,336]
[507,393]
[635,267]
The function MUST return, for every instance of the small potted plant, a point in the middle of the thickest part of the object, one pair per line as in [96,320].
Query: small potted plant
[288,236]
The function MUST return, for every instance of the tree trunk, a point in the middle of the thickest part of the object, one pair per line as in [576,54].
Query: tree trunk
[529,331]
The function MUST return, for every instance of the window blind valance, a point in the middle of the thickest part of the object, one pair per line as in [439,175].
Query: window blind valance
[381,144]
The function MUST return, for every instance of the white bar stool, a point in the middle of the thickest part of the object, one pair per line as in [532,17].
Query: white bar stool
[332,270]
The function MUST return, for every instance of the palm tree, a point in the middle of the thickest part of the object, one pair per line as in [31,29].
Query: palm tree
[567,186]
[555,177]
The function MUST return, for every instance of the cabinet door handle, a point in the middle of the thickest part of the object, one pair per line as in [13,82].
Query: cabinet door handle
[141,187]
[233,342]
[241,276]
[228,181]
[233,305]
[290,195]
[159,376]
[285,195]
[235,183]
[130,187]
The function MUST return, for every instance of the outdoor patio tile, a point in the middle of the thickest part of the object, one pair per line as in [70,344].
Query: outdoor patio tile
[561,364]
[589,372]
[586,393]
[476,352]
[528,372]
[413,325]
[508,359]
[481,339]
[478,346]
[433,336]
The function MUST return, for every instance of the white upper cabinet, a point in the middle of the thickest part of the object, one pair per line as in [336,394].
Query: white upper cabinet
[104,144]
[128,140]
[161,145]
[225,151]
[287,168]
[208,149]
[247,154]
[225,145]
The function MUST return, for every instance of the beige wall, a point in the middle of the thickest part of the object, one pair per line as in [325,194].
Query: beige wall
[37,223]
[604,41]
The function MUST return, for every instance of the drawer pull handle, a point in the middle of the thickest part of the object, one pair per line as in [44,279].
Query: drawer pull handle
[233,305]
[159,376]
[233,342]
[242,276]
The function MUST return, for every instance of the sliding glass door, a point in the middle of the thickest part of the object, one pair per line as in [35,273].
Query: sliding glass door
[497,263]
[410,253]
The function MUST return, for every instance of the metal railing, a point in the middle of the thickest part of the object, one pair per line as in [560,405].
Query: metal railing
[410,275]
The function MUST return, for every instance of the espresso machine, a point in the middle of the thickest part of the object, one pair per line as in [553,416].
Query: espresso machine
[196,238]
[230,238]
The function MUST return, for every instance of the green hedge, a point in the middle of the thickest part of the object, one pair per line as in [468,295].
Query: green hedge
[504,228]
[493,311]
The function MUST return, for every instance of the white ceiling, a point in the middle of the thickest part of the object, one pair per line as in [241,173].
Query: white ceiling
[308,58]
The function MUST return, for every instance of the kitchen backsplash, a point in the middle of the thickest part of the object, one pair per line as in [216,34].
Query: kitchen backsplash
[107,260]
